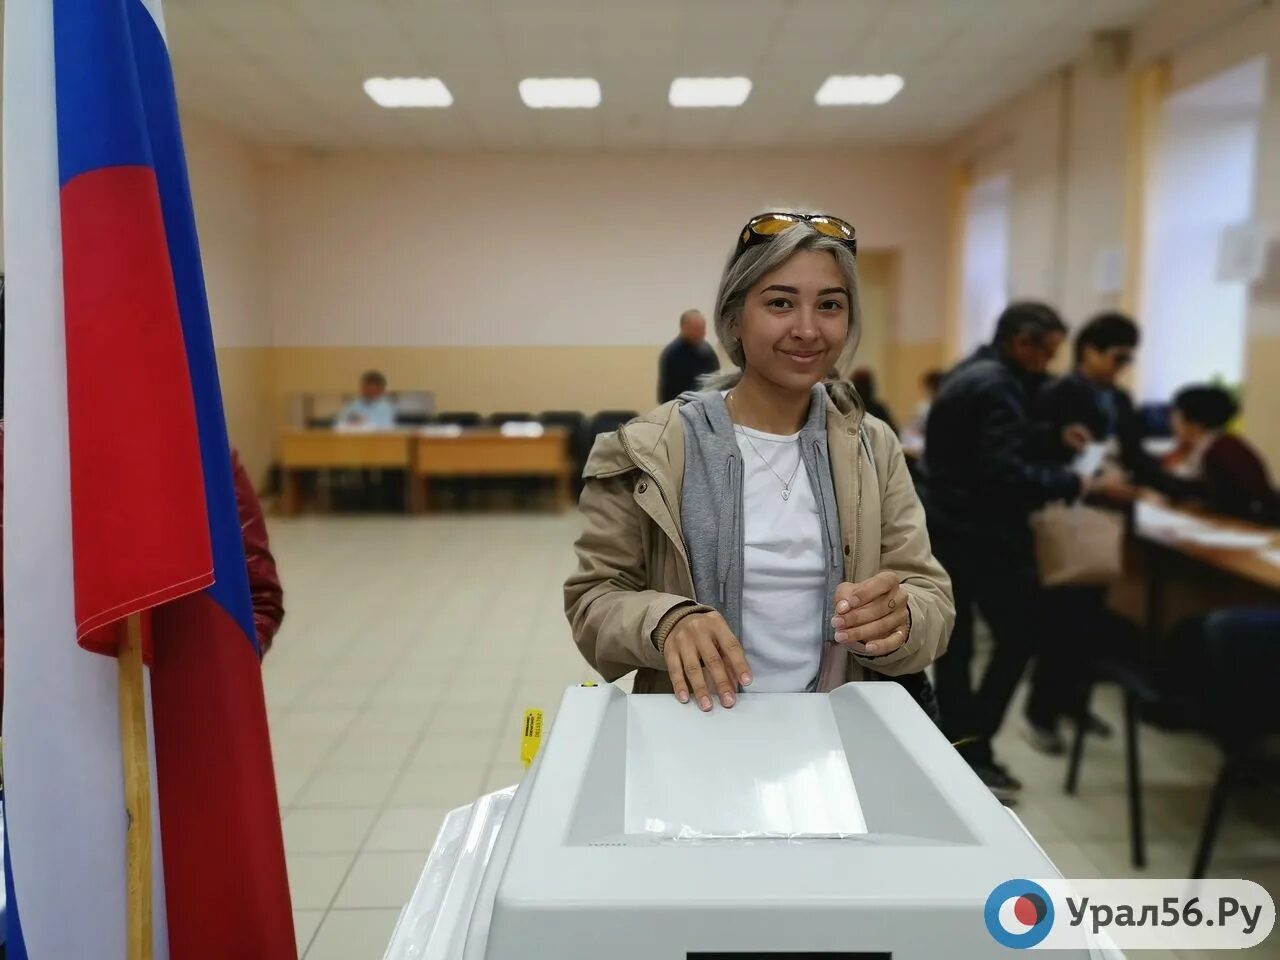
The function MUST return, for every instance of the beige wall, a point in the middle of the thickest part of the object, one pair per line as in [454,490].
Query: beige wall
[229,193]
[1064,142]
[553,281]
[481,379]
[587,377]
[449,250]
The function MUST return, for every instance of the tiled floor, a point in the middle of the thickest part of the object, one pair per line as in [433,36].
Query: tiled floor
[412,648]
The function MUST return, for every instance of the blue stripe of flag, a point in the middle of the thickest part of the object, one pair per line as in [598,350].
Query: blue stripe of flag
[100,118]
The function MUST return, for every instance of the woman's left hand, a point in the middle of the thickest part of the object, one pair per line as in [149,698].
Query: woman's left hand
[872,614]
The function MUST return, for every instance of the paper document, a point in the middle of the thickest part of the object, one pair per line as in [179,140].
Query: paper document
[1089,460]
[773,766]
[520,429]
[1160,523]
[1226,539]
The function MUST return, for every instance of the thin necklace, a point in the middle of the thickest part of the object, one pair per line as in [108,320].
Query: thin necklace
[786,484]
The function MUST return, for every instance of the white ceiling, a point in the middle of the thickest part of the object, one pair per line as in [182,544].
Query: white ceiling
[290,71]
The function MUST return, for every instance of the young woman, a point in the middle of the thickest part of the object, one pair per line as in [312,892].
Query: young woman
[763,533]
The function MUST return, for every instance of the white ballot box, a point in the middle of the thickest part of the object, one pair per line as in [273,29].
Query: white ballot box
[834,826]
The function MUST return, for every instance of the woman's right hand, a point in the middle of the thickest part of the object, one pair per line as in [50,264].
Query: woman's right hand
[702,643]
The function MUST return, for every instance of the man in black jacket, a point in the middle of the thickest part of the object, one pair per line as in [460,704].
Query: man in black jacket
[985,477]
[1089,396]
[686,358]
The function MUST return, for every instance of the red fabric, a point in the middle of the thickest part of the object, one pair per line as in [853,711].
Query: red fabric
[139,525]
[1236,479]
[205,788]
[264,581]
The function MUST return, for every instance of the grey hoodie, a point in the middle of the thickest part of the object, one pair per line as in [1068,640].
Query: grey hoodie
[711,502]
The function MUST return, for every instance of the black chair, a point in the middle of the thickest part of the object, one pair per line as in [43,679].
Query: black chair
[607,421]
[579,439]
[458,418]
[1220,681]
[1141,694]
[498,419]
[412,419]
[571,420]
[321,423]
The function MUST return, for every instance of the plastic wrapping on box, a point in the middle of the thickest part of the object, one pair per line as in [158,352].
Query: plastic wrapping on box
[761,782]
[435,923]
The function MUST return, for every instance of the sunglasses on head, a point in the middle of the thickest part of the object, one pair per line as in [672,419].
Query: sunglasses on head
[766,226]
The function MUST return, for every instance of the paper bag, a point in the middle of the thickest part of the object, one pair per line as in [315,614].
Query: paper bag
[1078,545]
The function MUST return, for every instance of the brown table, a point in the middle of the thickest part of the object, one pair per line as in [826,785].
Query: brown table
[1250,577]
[338,450]
[490,453]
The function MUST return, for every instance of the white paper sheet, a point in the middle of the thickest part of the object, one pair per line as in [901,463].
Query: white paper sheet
[1160,523]
[1089,460]
[449,430]
[520,429]
[1226,539]
[773,766]
[1271,556]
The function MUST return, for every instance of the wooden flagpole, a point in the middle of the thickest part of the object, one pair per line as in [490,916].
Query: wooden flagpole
[137,793]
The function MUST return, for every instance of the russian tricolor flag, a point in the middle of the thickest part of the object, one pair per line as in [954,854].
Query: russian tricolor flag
[119,500]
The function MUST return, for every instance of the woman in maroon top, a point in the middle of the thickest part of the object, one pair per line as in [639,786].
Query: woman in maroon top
[1220,470]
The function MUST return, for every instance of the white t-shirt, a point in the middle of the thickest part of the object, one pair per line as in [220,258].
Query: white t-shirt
[784,570]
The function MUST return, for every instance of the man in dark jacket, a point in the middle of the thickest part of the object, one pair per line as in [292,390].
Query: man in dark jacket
[984,481]
[686,358]
[1090,396]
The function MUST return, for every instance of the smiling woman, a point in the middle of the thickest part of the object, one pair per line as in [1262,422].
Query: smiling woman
[761,533]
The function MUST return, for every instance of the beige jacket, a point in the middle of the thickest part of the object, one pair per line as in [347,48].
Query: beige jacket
[634,583]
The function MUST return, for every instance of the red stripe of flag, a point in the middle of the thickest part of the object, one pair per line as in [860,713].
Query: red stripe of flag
[139,524]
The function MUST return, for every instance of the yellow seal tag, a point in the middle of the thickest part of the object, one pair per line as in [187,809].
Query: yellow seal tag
[532,738]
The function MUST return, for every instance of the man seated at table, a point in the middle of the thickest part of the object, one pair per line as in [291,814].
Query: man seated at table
[373,408]
[1219,470]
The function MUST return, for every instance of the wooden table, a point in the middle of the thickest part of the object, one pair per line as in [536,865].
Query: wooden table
[338,450]
[1251,578]
[491,453]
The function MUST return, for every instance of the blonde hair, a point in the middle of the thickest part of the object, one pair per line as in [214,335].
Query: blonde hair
[744,272]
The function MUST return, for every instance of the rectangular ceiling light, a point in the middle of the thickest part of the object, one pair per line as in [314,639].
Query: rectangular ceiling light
[863,91]
[394,92]
[560,93]
[709,91]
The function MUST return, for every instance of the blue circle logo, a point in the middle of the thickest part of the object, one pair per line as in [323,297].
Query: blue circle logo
[1019,914]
